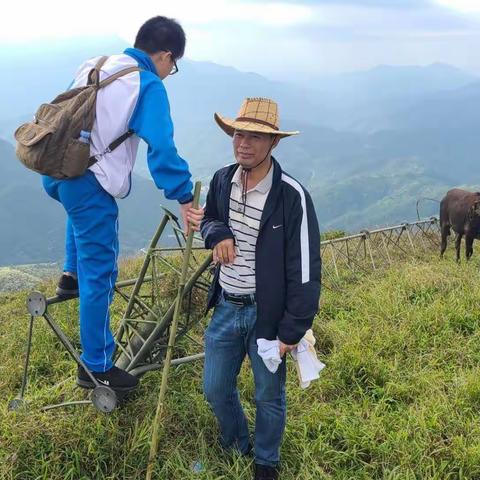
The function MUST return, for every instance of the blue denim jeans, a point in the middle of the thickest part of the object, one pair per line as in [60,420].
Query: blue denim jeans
[229,337]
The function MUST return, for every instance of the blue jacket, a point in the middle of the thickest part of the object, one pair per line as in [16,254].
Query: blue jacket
[138,102]
[287,259]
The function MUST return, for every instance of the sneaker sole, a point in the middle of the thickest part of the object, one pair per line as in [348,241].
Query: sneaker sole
[90,385]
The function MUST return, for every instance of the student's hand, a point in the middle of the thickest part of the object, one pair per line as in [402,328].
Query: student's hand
[191,217]
[284,348]
[224,252]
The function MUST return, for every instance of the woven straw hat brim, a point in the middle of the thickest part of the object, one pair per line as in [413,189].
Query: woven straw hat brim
[229,126]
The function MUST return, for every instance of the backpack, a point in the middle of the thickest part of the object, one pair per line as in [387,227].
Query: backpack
[57,141]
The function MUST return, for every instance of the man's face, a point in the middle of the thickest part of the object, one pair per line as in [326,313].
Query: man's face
[250,148]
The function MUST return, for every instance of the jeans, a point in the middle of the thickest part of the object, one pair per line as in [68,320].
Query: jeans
[91,253]
[228,338]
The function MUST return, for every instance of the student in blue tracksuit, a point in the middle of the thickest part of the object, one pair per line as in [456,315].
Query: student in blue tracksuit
[135,103]
[263,230]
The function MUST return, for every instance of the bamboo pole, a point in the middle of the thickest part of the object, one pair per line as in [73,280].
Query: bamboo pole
[171,343]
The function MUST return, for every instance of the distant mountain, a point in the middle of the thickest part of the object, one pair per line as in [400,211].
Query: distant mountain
[383,197]
[366,101]
[360,101]
[455,109]
[371,142]
[356,181]
[37,73]
[395,169]
[387,81]
[200,89]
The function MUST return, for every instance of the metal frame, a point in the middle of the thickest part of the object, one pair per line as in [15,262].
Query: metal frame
[141,339]
[142,336]
[374,249]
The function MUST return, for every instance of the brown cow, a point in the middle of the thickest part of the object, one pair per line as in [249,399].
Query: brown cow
[460,210]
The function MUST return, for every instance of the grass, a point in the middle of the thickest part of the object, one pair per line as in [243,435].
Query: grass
[22,277]
[399,399]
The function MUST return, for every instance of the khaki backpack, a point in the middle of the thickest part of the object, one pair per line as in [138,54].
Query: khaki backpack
[56,142]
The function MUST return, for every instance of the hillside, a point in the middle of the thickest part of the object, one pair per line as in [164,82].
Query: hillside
[390,172]
[399,398]
[367,101]
[27,277]
[372,142]
[33,224]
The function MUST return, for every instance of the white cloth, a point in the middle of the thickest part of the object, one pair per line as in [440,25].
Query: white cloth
[306,361]
[269,350]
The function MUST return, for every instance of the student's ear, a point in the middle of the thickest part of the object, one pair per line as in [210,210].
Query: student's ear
[159,56]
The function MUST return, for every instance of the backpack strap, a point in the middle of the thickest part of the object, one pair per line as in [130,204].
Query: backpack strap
[94,75]
[116,143]
[93,78]
[117,75]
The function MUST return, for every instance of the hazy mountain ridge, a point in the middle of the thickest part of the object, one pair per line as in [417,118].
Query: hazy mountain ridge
[412,132]
[34,224]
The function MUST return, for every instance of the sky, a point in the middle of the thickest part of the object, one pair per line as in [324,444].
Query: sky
[280,39]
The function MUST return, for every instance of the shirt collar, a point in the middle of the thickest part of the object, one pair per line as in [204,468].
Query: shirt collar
[143,59]
[263,186]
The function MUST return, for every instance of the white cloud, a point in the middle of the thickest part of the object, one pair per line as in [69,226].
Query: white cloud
[50,18]
[463,6]
[280,38]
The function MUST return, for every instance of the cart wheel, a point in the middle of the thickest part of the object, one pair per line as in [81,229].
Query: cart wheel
[104,399]
[17,404]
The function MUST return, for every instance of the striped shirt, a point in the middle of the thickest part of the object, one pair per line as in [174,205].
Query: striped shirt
[244,221]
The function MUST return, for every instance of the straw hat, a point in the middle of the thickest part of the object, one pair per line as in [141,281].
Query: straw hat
[256,115]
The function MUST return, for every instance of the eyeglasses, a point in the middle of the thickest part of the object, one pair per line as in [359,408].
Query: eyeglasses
[174,68]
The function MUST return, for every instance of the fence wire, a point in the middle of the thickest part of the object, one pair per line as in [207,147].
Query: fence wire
[376,249]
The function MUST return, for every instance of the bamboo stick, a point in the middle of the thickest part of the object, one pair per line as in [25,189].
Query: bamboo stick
[171,343]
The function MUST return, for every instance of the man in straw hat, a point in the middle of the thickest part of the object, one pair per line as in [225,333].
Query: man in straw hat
[262,227]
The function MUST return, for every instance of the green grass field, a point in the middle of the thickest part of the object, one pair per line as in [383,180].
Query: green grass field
[22,277]
[399,399]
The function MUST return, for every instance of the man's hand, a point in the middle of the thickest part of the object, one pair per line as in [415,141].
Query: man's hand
[191,217]
[224,252]
[284,348]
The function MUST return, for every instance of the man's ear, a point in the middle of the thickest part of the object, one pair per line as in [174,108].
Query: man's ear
[275,142]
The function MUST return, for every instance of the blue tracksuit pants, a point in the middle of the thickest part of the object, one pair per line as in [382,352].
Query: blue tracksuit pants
[92,253]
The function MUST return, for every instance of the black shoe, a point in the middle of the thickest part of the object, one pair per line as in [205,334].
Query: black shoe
[67,287]
[115,378]
[263,472]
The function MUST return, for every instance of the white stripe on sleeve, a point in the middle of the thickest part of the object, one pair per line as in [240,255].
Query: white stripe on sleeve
[304,241]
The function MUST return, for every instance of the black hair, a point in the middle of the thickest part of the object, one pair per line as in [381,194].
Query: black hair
[161,34]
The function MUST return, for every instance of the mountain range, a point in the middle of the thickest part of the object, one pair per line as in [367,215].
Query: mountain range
[371,142]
